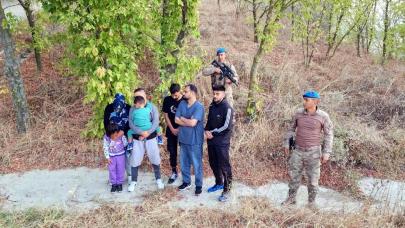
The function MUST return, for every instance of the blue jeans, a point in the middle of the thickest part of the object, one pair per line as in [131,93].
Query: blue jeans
[191,155]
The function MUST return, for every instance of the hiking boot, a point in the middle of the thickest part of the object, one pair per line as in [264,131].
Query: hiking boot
[184,186]
[291,198]
[119,188]
[113,188]
[224,197]
[215,188]
[172,178]
[160,184]
[198,190]
[160,140]
[311,195]
[289,201]
[131,186]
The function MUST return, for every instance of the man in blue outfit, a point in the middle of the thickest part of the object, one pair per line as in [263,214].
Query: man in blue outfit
[190,118]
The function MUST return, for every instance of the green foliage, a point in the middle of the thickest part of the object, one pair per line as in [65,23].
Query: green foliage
[178,21]
[396,33]
[11,22]
[309,18]
[42,39]
[255,107]
[266,33]
[105,38]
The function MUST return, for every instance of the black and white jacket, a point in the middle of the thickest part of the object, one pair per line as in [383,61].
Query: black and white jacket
[220,123]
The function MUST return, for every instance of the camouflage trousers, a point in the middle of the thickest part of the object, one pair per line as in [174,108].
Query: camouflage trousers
[307,161]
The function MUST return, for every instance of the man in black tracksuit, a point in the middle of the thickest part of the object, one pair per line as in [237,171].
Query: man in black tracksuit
[218,133]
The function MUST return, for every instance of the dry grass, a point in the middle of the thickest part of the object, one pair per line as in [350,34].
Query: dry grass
[153,212]
[58,117]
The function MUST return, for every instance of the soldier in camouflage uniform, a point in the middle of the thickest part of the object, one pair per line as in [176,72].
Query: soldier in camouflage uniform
[215,73]
[308,125]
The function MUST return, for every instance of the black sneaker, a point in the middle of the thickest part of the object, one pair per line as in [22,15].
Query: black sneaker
[113,188]
[198,190]
[184,186]
[172,178]
[119,188]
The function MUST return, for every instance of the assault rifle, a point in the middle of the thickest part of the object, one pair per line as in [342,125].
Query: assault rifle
[225,71]
[291,143]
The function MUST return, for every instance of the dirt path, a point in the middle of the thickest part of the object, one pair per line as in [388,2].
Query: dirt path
[83,189]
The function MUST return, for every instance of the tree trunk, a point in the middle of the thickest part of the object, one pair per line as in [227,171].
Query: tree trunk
[370,32]
[332,41]
[292,21]
[13,76]
[386,27]
[238,8]
[253,78]
[31,22]
[255,20]
[170,69]
[35,37]
[358,37]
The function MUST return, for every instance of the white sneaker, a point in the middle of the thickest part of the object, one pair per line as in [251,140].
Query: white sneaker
[129,180]
[160,184]
[131,186]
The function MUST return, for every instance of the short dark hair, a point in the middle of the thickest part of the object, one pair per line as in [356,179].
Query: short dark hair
[112,128]
[174,88]
[192,88]
[139,100]
[218,88]
[139,89]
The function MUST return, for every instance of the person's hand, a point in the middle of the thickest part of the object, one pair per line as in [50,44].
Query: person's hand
[175,131]
[109,161]
[325,158]
[217,70]
[209,135]
[286,151]
[120,133]
[145,134]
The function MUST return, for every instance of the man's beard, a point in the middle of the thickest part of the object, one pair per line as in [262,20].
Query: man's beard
[185,98]
[218,101]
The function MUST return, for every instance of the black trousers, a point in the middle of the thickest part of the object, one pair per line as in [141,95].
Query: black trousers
[218,156]
[172,145]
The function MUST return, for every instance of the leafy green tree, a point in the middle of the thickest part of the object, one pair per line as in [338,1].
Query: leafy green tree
[393,30]
[105,39]
[267,37]
[343,17]
[178,21]
[27,5]
[309,17]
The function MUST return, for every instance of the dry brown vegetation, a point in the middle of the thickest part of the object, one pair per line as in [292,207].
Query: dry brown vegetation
[154,213]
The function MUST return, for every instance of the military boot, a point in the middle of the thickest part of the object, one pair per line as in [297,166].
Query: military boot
[292,193]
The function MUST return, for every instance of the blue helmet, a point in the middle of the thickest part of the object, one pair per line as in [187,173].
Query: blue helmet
[221,50]
[311,94]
